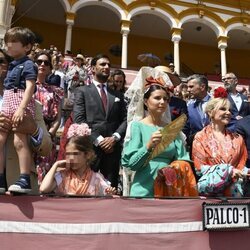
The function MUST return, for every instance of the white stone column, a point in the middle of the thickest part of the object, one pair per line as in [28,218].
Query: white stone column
[124,62]
[125,31]
[222,45]
[70,17]
[68,36]
[7,10]
[3,4]
[223,60]
[8,18]
[176,54]
[176,37]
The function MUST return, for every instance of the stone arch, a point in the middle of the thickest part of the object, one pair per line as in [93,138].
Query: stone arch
[210,19]
[104,3]
[167,14]
[236,23]
[65,4]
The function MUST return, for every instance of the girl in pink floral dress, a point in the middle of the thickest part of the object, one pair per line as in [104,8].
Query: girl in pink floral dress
[73,176]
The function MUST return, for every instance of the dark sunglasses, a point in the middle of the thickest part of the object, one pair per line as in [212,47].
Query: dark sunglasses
[46,62]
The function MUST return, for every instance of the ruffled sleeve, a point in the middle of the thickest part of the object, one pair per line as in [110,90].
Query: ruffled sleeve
[135,153]
[199,153]
[243,153]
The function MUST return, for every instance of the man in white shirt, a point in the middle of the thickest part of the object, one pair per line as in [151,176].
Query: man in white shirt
[104,110]
[240,107]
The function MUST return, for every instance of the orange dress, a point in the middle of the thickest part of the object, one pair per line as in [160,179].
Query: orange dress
[175,180]
[91,183]
[208,151]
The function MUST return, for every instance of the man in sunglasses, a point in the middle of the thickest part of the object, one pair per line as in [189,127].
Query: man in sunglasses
[39,137]
[240,107]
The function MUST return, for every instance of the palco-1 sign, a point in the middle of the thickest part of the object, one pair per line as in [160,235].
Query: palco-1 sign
[219,216]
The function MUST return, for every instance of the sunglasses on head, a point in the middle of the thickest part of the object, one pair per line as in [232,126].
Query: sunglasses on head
[46,62]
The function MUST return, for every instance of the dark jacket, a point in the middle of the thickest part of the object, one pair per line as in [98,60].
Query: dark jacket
[244,111]
[242,127]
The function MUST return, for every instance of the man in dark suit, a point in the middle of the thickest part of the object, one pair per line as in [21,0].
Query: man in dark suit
[178,107]
[243,128]
[240,107]
[104,110]
[198,89]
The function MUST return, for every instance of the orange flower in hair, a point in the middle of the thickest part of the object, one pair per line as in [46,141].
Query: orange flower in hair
[156,81]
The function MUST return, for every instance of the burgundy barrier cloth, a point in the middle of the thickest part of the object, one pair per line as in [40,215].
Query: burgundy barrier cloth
[43,214]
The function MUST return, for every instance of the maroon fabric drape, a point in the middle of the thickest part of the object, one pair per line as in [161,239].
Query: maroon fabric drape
[41,214]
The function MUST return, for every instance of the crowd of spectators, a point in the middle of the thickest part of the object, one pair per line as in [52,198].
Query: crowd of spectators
[159,137]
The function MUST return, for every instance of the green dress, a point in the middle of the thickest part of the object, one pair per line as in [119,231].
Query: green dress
[135,155]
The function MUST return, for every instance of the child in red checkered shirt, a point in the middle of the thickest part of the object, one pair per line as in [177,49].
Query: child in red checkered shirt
[18,101]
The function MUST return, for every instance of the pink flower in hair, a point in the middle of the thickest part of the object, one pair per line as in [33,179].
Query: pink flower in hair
[78,130]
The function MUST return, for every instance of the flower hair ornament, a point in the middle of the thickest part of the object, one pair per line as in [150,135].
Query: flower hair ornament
[157,81]
[136,91]
[78,130]
[220,92]
[135,96]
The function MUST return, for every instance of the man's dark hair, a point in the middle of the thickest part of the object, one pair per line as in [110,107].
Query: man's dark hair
[96,58]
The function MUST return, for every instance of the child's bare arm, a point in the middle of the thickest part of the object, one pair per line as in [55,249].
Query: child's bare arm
[49,184]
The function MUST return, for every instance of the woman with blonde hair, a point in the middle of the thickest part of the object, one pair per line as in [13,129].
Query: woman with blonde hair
[219,156]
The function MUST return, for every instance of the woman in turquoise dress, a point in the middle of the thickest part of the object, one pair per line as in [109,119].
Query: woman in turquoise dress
[144,136]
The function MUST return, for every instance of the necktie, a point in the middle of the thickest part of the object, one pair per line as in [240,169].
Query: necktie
[200,109]
[103,96]
[201,112]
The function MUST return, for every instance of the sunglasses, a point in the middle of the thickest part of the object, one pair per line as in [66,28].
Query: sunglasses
[46,62]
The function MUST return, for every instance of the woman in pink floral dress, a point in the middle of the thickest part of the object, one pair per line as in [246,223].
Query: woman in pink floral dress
[51,97]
